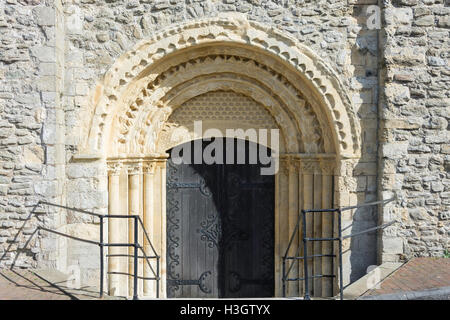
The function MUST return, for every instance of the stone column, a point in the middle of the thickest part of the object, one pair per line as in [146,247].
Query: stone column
[317,225]
[327,167]
[134,194]
[293,217]
[300,267]
[149,223]
[114,226]
[278,254]
[160,226]
[307,170]
[281,221]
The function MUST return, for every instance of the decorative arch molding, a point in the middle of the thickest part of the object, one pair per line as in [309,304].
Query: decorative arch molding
[222,110]
[134,108]
[174,47]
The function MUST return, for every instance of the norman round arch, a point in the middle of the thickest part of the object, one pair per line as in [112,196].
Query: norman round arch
[140,72]
[138,106]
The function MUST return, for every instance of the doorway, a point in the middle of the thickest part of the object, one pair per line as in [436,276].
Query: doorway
[220,223]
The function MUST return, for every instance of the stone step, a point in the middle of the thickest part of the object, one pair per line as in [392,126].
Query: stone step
[370,280]
[43,284]
[63,283]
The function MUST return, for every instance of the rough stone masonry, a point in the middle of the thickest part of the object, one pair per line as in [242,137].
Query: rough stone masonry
[52,53]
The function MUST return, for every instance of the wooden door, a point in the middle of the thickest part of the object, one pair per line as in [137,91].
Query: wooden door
[220,230]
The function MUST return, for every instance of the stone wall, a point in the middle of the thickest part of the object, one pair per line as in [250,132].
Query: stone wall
[414,118]
[31,147]
[53,54]
[97,33]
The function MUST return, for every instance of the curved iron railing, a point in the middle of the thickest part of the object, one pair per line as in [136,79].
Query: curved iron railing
[339,238]
[137,221]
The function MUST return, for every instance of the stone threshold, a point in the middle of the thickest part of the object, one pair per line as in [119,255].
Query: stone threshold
[370,280]
[58,280]
[410,295]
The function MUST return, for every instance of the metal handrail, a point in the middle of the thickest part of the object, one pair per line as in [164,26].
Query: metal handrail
[101,244]
[340,238]
[146,235]
[68,236]
[70,208]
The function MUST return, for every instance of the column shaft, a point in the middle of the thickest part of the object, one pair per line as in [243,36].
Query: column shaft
[133,209]
[327,232]
[308,186]
[149,217]
[293,215]
[114,232]
[317,225]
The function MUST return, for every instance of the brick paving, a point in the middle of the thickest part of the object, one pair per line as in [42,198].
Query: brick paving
[416,275]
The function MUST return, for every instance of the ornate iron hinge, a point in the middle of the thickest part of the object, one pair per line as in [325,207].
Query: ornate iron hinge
[200,282]
[200,185]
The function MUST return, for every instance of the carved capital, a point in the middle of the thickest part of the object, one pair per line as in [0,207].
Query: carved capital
[134,168]
[327,166]
[284,165]
[310,166]
[114,168]
[148,167]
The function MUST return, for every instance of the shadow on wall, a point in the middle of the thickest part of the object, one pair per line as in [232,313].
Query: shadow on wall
[34,248]
[19,256]
[364,61]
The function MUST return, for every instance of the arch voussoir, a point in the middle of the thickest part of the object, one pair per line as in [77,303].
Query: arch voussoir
[319,84]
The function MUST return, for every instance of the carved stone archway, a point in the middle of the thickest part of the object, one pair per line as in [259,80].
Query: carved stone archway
[152,91]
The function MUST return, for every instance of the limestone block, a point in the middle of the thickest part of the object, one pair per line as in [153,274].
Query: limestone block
[410,56]
[397,16]
[393,245]
[425,21]
[397,93]
[365,168]
[395,150]
[44,54]
[88,200]
[45,16]
[410,123]
[74,20]
[82,170]
[444,22]
[418,213]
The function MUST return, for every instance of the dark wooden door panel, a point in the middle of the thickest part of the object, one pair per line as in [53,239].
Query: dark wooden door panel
[220,230]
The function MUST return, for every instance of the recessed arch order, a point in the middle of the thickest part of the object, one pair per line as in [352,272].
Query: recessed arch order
[136,96]
[134,106]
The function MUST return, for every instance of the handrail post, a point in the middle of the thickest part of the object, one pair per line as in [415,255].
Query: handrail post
[157,277]
[135,284]
[305,260]
[101,258]
[341,280]
[284,277]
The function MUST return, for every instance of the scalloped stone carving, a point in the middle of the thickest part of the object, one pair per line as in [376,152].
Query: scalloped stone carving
[223,106]
[132,73]
[220,109]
